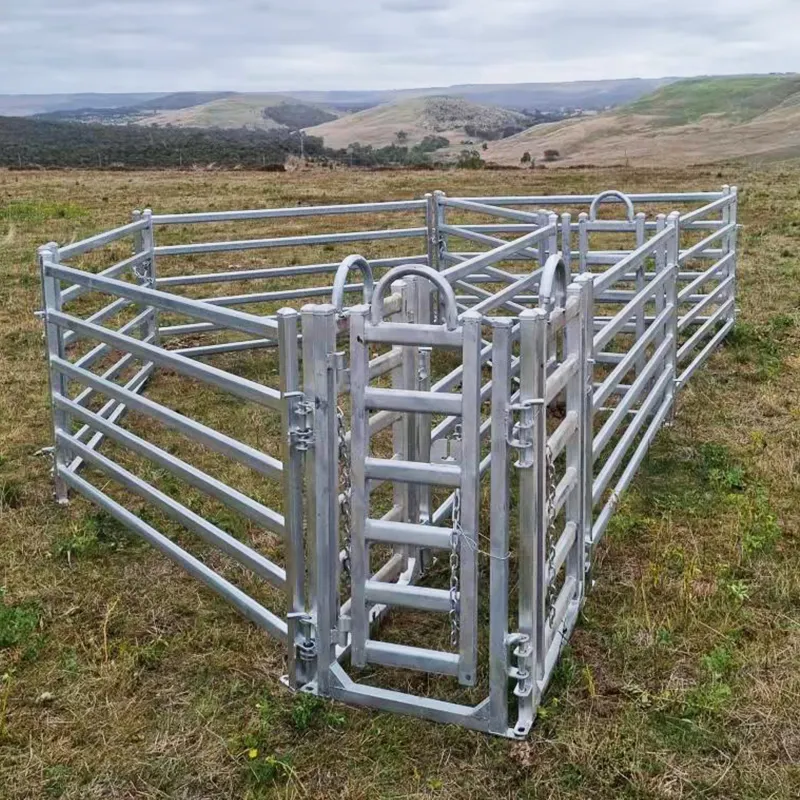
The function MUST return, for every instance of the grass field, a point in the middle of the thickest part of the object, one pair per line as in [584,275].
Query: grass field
[122,678]
[737,98]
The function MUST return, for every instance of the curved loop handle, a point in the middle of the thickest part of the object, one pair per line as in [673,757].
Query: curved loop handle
[612,193]
[340,281]
[445,289]
[553,286]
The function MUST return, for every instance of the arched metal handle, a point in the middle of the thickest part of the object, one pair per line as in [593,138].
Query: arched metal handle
[553,286]
[445,289]
[612,193]
[340,280]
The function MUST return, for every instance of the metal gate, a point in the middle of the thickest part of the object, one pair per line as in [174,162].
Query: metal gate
[537,396]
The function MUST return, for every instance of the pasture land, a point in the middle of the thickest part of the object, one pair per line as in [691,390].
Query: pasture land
[123,678]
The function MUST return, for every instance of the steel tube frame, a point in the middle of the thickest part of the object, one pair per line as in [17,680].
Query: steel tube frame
[461,411]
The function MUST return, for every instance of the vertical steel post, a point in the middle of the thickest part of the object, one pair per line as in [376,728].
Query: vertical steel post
[499,528]
[145,275]
[641,237]
[410,420]
[442,244]
[532,493]
[400,428]
[431,223]
[321,389]
[359,508]
[575,342]
[566,243]
[148,246]
[661,265]
[544,219]
[730,244]
[586,282]
[526,466]
[583,242]
[673,265]
[470,497]
[54,336]
[552,240]
[541,349]
[293,419]
[422,383]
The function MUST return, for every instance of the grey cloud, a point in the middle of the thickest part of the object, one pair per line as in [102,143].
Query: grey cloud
[273,45]
[413,6]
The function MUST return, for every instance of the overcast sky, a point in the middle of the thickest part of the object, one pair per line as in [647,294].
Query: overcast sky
[271,45]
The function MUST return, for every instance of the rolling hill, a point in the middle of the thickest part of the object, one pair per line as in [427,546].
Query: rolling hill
[254,111]
[450,117]
[592,95]
[701,120]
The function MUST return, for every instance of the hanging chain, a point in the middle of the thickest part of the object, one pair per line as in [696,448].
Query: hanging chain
[550,540]
[455,540]
[345,482]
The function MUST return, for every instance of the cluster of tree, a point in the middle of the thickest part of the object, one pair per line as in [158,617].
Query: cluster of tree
[358,155]
[297,115]
[492,134]
[26,142]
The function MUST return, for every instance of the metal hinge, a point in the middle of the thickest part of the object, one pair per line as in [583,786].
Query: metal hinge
[307,648]
[521,653]
[301,432]
[519,432]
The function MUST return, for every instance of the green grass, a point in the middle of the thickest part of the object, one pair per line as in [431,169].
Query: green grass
[736,99]
[121,677]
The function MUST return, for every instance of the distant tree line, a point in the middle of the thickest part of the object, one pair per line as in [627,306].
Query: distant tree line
[26,142]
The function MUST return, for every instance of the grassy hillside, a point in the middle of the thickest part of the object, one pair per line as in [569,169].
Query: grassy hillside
[736,99]
[692,121]
[544,96]
[258,111]
[450,117]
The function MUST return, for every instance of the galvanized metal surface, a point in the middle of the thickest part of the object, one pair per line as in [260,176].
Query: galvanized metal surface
[569,350]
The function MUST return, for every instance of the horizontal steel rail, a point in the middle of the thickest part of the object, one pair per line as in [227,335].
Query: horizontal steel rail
[612,328]
[635,259]
[282,213]
[233,384]
[219,442]
[587,199]
[236,320]
[101,239]
[494,211]
[288,241]
[483,260]
[266,273]
[252,509]
[614,461]
[717,205]
[75,291]
[248,607]
[706,352]
[206,530]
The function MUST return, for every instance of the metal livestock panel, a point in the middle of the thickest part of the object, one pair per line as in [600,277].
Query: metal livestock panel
[521,346]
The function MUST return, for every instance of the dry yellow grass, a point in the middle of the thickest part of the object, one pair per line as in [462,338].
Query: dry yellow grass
[619,138]
[122,678]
